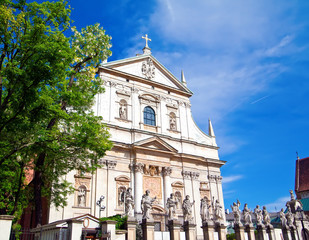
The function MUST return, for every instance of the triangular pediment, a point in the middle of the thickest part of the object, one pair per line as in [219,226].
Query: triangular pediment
[155,143]
[146,67]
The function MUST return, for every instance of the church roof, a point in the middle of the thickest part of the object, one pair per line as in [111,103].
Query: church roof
[302,176]
[168,79]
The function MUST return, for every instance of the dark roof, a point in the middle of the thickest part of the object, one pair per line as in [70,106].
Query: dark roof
[301,175]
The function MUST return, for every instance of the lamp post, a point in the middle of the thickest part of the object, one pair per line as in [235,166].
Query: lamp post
[100,204]
[301,213]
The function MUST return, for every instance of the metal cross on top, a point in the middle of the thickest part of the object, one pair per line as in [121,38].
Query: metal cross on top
[147,39]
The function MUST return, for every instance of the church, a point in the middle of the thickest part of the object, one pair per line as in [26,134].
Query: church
[157,146]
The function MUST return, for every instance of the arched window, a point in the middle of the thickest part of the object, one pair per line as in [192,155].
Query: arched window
[149,116]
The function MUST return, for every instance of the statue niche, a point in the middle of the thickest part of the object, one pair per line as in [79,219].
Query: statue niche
[172,117]
[81,196]
[123,109]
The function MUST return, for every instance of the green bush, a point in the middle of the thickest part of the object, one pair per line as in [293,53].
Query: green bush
[231,236]
[121,221]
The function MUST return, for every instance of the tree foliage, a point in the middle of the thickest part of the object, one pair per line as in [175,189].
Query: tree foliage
[48,84]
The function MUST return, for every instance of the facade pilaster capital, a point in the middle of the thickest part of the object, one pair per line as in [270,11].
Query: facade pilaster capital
[186,174]
[111,164]
[187,104]
[166,171]
[113,84]
[135,90]
[212,178]
[138,167]
[194,175]
[106,83]
[219,179]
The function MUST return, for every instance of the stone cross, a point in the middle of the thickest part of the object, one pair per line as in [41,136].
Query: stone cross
[147,39]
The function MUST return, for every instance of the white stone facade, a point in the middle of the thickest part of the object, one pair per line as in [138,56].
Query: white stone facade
[172,155]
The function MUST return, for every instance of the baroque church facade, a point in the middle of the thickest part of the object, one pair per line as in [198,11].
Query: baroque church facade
[157,146]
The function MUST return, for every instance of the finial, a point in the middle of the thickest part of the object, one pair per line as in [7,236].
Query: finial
[210,129]
[297,156]
[183,80]
[146,49]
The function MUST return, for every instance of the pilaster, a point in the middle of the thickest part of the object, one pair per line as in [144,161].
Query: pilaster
[166,172]
[138,187]
[148,229]
[174,229]
[190,230]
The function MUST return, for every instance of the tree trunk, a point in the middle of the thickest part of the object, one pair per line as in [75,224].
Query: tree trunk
[38,182]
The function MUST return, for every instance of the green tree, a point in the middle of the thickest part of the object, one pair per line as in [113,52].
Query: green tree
[48,85]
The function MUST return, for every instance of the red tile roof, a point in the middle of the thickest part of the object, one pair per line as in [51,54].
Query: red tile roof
[302,175]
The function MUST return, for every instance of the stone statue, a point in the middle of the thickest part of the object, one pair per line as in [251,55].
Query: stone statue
[172,123]
[283,219]
[146,204]
[171,205]
[266,217]
[289,216]
[259,215]
[236,212]
[122,111]
[205,215]
[292,195]
[187,209]
[129,203]
[81,197]
[218,214]
[247,215]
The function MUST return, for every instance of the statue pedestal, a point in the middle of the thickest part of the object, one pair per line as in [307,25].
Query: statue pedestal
[250,232]
[189,229]
[261,232]
[293,233]
[131,228]
[208,231]
[286,233]
[174,229]
[271,233]
[148,229]
[239,232]
[221,229]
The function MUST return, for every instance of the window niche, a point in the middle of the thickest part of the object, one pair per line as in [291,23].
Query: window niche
[123,109]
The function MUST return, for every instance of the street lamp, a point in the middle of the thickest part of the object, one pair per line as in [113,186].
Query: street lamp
[301,213]
[100,204]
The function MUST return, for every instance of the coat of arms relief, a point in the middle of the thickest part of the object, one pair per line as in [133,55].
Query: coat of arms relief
[148,69]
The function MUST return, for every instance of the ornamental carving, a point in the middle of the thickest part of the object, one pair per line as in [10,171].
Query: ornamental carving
[189,174]
[152,170]
[148,69]
[111,164]
[167,171]
[186,174]
[137,167]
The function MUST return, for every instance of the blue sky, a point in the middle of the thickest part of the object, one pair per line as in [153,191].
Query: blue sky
[247,63]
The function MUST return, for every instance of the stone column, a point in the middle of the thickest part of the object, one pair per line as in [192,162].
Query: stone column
[5,226]
[239,232]
[174,229]
[197,198]
[131,228]
[261,232]
[148,229]
[271,232]
[75,228]
[220,192]
[221,229]
[208,231]
[286,233]
[166,172]
[108,226]
[190,230]
[250,232]
[138,187]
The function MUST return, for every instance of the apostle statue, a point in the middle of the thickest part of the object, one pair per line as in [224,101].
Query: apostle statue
[283,219]
[122,111]
[236,212]
[171,206]
[129,203]
[81,197]
[247,215]
[205,215]
[218,216]
[146,204]
[266,217]
[259,215]
[187,209]
[289,216]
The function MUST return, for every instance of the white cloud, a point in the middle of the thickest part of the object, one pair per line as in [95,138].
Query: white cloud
[277,205]
[230,179]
